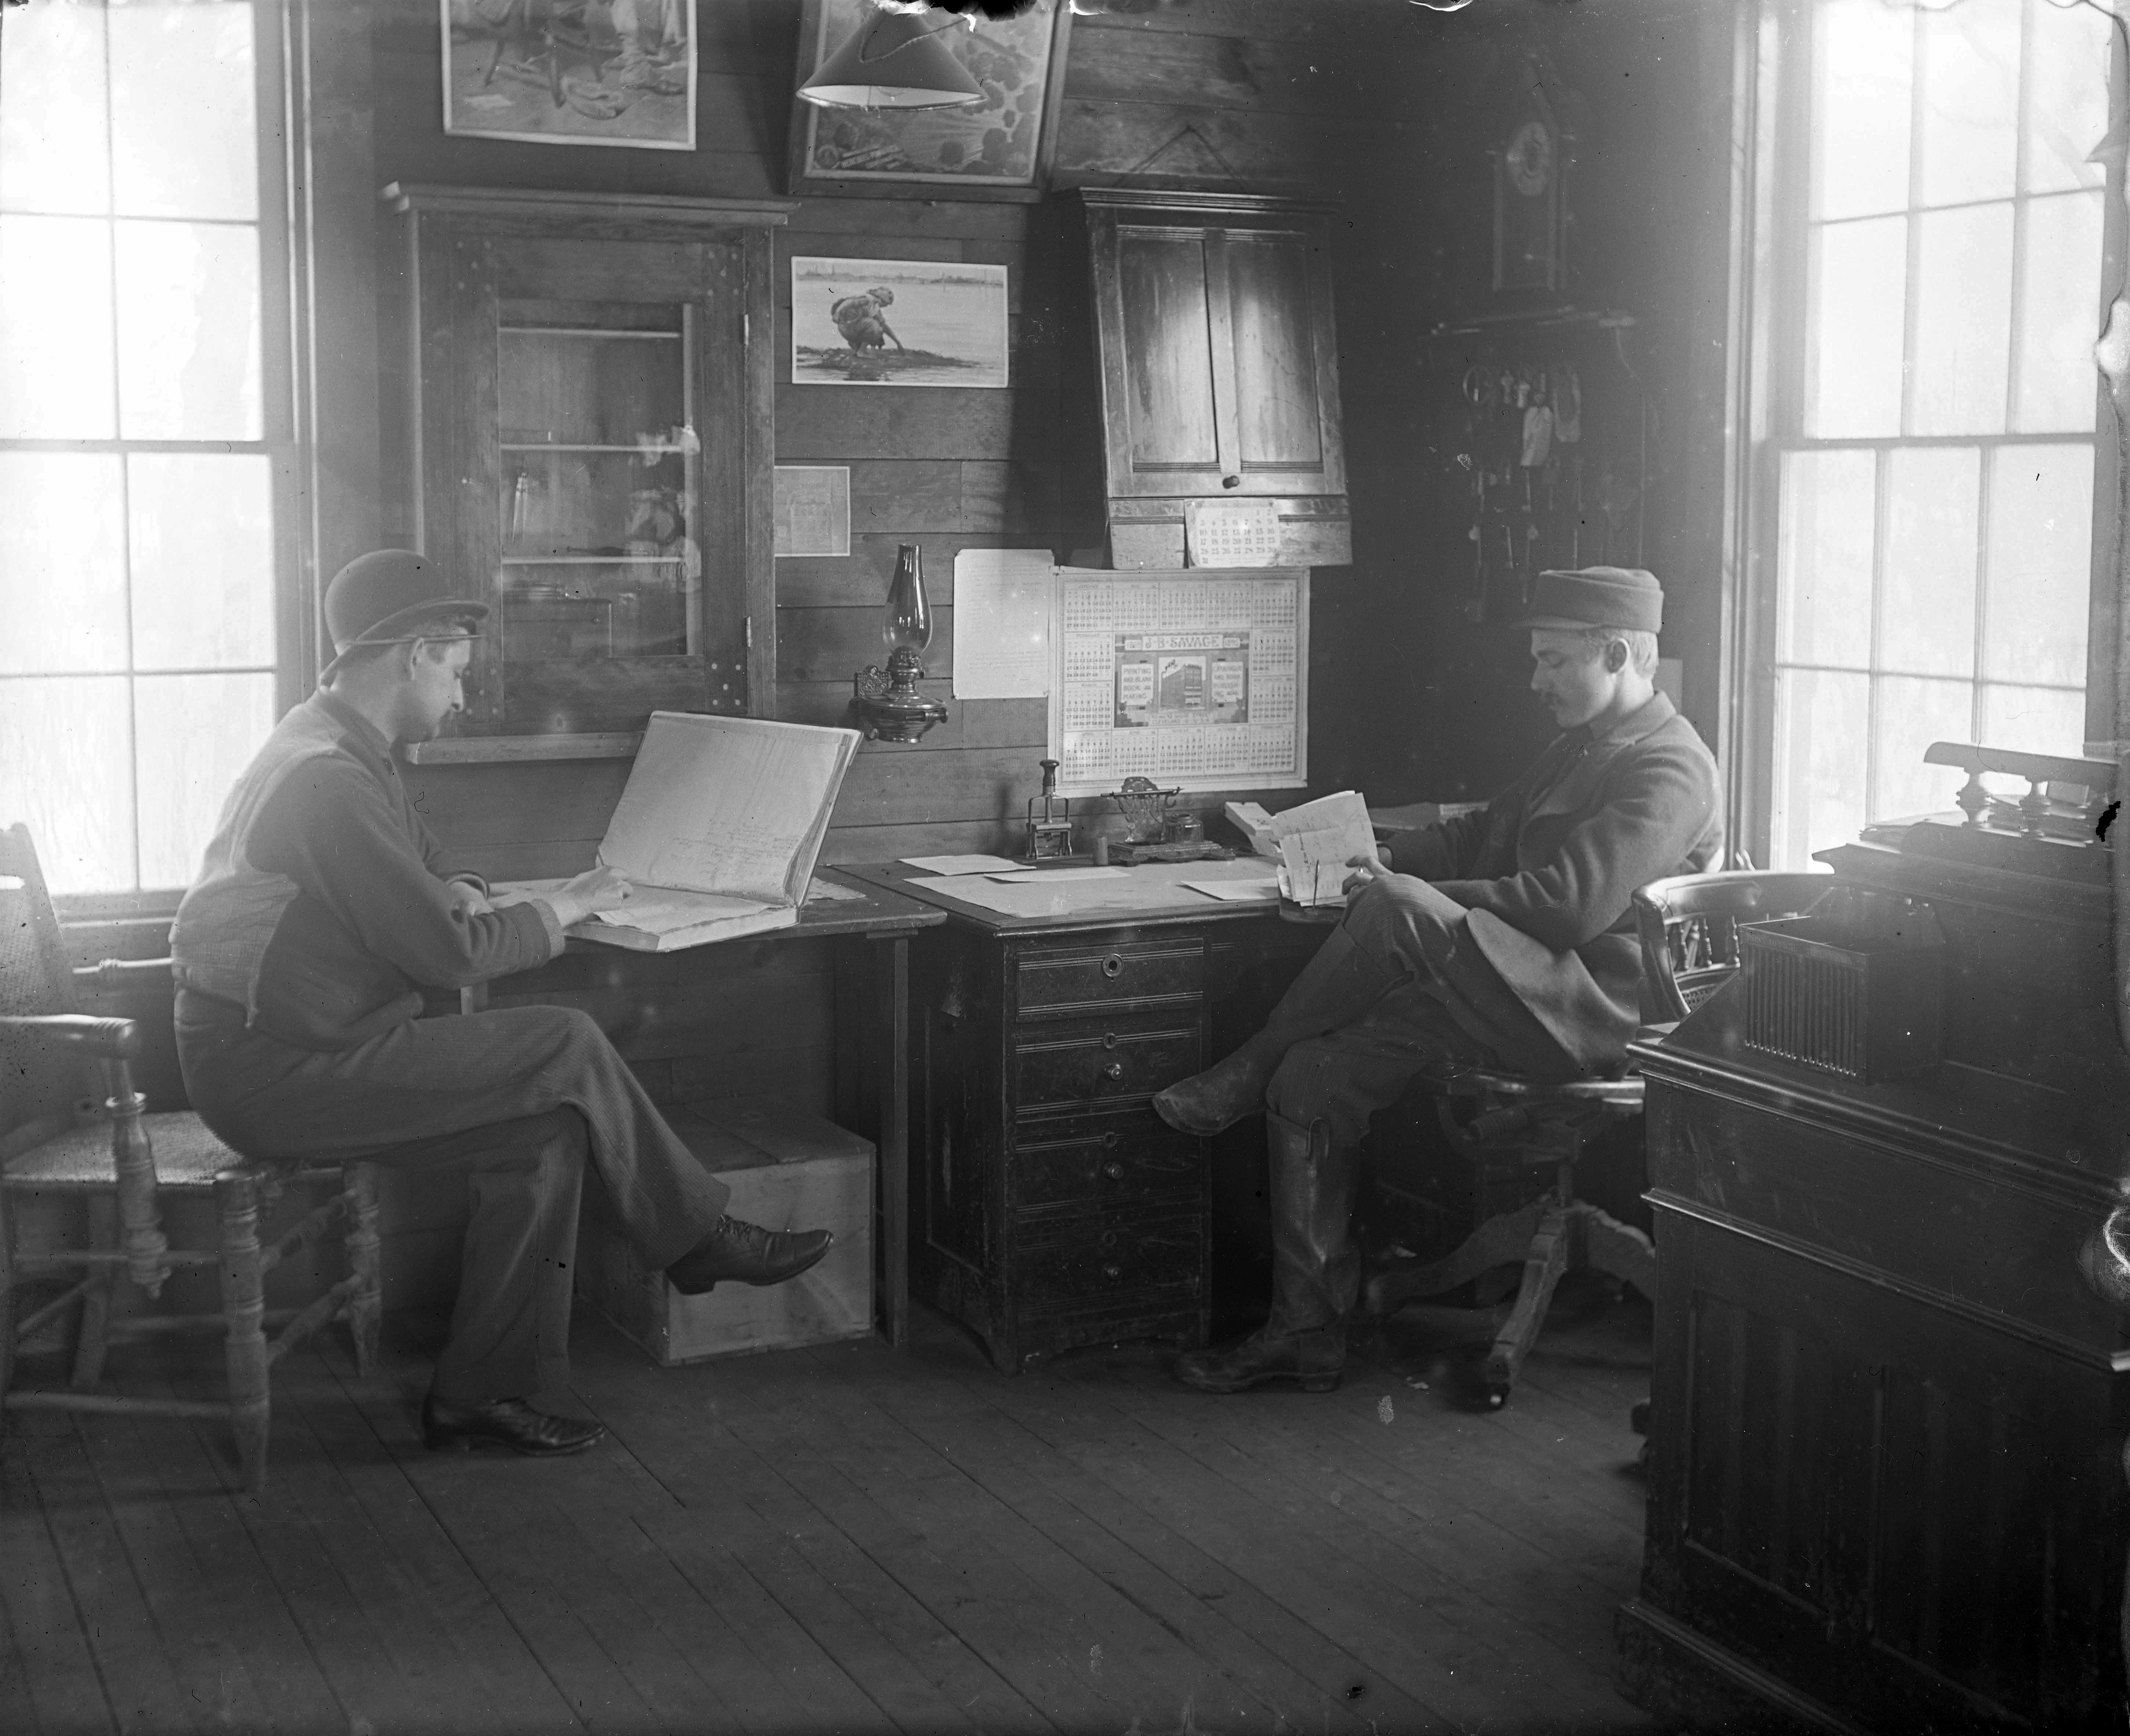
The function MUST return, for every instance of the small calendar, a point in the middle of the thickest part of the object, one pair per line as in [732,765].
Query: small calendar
[1231,533]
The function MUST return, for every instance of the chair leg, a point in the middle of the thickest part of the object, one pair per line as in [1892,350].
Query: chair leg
[1618,1249]
[1548,1259]
[244,1308]
[365,1308]
[93,1338]
[1499,1242]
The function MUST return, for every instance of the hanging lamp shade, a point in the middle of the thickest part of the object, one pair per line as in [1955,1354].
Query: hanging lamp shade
[892,61]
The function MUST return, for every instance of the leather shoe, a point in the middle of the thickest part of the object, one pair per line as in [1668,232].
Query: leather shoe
[510,1423]
[737,1248]
[1214,1101]
[1312,1360]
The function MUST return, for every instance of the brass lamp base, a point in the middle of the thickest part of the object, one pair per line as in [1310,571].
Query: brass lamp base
[889,702]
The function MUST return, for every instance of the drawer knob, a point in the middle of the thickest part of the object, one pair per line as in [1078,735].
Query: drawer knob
[1113,1070]
[1115,1172]
[1232,481]
[1108,1040]
[1113,965]
[1113,1271]
[1112,1140]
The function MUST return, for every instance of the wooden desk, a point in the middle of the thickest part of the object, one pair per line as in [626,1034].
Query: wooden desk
[642,1000]
[1885,1481]
[1051,1207]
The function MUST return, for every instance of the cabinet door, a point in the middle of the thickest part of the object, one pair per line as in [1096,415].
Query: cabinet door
[1220,362]
[584,414]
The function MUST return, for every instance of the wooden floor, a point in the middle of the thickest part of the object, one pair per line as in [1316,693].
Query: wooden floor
[847,1539]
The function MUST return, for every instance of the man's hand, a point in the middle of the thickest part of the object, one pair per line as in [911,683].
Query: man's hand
[468,900]
[1367,871]
[598,889]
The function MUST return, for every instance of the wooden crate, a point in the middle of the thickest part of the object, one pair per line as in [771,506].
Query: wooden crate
[787,1170]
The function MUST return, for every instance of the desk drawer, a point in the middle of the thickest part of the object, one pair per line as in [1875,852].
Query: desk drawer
[1085,1263]
[1059,984]
[1109,1160]
[1101,1063]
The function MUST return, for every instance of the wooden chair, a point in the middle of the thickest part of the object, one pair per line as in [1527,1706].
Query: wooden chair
[121,1163]
[1508,1124]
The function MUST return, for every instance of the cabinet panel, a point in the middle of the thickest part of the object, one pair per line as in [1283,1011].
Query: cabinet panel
[1172,418]
[1055,984]
[1117,1061]
[1114,1159]
[1278,408]
[1089,1263]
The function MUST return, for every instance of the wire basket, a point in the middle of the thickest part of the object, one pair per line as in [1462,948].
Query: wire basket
[1855,988]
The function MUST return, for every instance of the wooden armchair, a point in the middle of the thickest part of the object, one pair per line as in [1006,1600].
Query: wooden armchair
[1509,1124]
[120,1162]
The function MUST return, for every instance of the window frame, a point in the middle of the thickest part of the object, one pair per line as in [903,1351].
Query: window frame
[1772,116]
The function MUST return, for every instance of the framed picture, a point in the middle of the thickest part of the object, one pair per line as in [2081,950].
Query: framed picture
[897,322]
[998,149]
[571,72]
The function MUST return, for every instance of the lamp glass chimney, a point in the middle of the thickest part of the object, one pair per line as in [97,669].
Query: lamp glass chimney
[908,620]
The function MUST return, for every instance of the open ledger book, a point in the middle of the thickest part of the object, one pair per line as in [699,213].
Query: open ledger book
[717,831]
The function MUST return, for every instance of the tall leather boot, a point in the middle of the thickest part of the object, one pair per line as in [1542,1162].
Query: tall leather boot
[1315,1272]
[1335,988]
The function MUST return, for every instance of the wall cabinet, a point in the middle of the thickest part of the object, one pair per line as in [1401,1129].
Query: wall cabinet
[587,402]
[1219,367]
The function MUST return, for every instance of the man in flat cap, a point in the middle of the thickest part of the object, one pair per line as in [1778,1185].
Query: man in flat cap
[320,915]
[1504,938]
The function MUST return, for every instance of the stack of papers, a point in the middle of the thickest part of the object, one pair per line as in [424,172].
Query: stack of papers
[1315,845]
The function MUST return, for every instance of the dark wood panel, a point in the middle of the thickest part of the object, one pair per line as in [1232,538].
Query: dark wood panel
[554,858]
[868,843]
[904,494]
[835,426]
[669,1021]
[1253,72]
[1113,143]
[1010,497]
[1279,399]
[532,802]
[854,224]
[861,577]
[832,644]
[974,784]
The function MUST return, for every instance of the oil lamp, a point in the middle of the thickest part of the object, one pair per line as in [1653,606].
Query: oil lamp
[888,700]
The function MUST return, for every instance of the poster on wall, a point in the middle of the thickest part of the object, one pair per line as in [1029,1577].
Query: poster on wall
[897,322]
[998,149]
[571,72]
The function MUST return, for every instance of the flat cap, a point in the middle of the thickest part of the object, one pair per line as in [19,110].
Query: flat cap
[382,597]
[1597,597]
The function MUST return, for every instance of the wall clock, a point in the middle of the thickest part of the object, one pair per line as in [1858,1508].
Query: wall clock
[1532,160]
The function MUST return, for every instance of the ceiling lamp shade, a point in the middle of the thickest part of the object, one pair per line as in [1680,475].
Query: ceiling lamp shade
[892,61]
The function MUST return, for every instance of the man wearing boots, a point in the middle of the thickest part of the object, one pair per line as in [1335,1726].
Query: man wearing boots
[1502,939]
[300,953]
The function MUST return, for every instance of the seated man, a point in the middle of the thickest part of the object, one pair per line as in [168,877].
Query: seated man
[1502,939]
[300,955]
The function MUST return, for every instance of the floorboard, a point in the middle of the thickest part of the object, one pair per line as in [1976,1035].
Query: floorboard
[846,1539]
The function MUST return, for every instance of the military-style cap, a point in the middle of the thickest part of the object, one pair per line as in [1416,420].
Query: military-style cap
[1597,597]
[382,597]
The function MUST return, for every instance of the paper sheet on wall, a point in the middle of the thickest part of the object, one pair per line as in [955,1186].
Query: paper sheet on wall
[1231,533]
[813,509]
[1192,678]
[1002,623]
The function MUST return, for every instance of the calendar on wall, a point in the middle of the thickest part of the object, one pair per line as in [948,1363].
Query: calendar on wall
[1195,678]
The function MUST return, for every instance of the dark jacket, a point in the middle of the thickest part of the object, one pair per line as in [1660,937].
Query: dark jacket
[321,909]
[1549,868]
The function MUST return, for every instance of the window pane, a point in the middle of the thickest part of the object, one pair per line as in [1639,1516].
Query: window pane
[1854,321]
[1963,320]
[203,543]
[56,338]
[1862,53]
[2066,95]
[55,153]
[62,565]
[2041,544]
[196,733]
[183,131]
[2060,315]
[1971,106]
[188,331]
[1911,715]
[1822,724]
[1823,585]
[1926,589]
[2034,719]
[67,775]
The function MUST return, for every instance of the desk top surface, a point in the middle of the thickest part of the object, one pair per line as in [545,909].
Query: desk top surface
[875,910]
[1154,894]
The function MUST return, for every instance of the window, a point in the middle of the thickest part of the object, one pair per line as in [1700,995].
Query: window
[1930,449]
[144,429]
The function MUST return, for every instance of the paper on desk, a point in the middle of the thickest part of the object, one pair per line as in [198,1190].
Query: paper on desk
[1238,891]
[1020,875]
[830,892]
[660,912]
[951,865]
[1002,623]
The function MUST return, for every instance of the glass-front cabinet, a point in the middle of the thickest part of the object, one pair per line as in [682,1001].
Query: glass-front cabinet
[588,407]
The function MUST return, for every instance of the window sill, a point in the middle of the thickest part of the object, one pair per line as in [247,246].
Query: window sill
[472,750]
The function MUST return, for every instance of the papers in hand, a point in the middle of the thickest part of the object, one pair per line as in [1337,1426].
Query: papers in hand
[717,830]
[1314,845]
